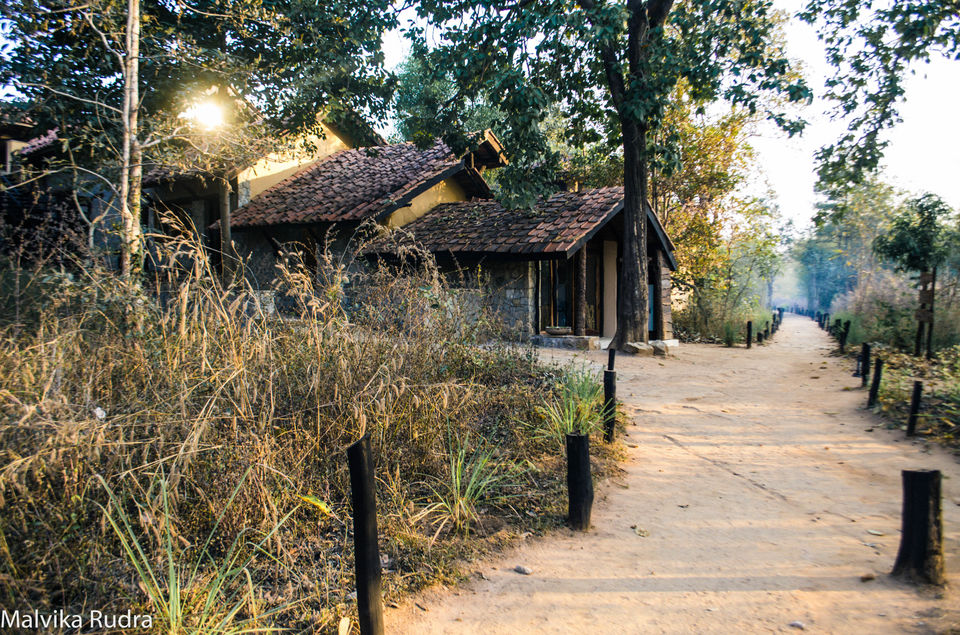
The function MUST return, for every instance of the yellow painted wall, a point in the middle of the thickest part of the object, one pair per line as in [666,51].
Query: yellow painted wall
[277,166]
[444,192]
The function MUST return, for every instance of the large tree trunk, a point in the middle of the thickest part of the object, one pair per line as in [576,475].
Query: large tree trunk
[131,169]
[632,296]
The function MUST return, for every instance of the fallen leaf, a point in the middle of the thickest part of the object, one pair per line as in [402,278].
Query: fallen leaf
[874,532]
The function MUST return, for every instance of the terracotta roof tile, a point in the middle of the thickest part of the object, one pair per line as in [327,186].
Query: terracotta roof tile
[557,224]
[348,185]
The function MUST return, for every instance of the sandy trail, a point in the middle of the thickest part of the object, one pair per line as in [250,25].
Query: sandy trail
[758,480]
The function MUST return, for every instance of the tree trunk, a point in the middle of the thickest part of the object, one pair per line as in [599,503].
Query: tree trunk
[227,256]
[632,296]
[131,168]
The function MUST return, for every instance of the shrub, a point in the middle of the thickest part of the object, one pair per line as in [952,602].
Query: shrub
[182,377]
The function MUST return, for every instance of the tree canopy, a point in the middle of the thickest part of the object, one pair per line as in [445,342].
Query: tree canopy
[611,69]
[873,49]
[918,238]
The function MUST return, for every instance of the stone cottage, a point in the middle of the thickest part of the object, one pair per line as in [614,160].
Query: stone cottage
[554,269]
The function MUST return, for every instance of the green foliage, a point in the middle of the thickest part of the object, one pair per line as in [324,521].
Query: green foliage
[873,49]
[918,239]
[733,283]
[472,479]
[271,66]
[578,407]
[576,57]
[420,96]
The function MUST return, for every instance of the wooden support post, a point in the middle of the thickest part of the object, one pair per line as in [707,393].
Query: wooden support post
[826,321]
[609,405]
[579,482]
[865,365]
[766,331]
[749,333]
[580,307]
[920,558]
[914,408]
[611,357]
[875,384]
[365,541]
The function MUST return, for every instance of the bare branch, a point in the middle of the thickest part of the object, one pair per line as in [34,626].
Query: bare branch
[93,102]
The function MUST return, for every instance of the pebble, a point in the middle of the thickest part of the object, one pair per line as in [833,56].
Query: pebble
[522,570]
[797,624]
[866,577]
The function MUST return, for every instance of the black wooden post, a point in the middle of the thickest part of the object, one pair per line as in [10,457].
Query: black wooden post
[914,408]
[609,404]
[611,357]
[579,481]
[875,384]
[749,333]
[365,543]
[920,557]
[865,366]
[766,331]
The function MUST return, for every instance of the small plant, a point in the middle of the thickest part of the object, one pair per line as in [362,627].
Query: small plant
[471,479]
[204,596]
[578,407]
[729,334]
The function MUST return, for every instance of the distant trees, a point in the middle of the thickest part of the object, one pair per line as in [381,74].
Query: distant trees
[853,261]
[919,240]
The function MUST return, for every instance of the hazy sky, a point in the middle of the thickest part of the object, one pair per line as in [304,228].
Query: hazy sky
[924,153]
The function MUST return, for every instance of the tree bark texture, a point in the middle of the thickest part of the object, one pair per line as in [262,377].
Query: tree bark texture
[131,157]
[920,558]
[632,306]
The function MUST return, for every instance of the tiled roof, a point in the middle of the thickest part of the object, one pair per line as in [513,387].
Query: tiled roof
[558,225]
[349,185]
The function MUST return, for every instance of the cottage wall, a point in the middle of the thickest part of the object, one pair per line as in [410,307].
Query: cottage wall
[446,191]
[512,288]
[666,286]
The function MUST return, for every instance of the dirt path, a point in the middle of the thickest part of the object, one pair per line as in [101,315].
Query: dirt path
[757,478]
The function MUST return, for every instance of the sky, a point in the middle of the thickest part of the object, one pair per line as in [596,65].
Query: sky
[924,150]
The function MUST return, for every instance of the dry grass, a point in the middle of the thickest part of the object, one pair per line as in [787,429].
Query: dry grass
[176,427]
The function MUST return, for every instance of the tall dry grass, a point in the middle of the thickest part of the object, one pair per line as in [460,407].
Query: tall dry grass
[179,417]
